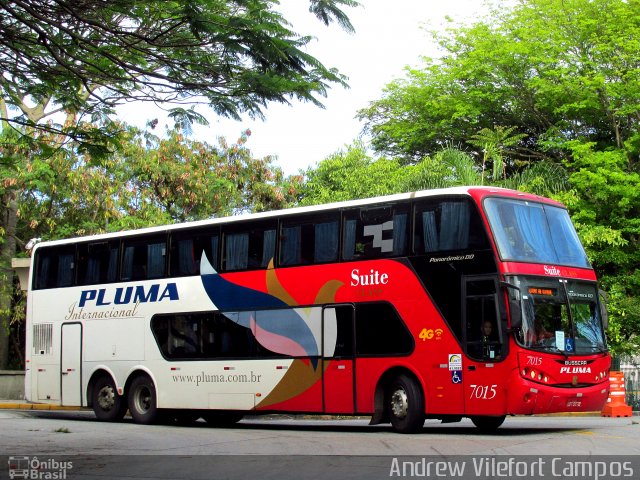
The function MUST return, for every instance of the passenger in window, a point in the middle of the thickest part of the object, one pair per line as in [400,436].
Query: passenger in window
[490,341]
[487,332]
[184,337]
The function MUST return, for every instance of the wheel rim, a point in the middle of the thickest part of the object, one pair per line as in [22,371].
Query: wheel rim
[106,398]
[399,403]
[143,399]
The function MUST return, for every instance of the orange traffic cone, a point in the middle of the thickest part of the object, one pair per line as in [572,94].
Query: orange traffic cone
[616,406]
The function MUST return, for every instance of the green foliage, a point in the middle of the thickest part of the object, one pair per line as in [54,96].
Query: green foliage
[494,145]
[234,55]
[149,180]
[544,178]
[605,206]
[352,174]
[556,70]
[448,168]
[564,75]
[348,175]
[72,62]
[326,9]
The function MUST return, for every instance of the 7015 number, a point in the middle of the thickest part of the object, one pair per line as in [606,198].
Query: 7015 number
[484,392]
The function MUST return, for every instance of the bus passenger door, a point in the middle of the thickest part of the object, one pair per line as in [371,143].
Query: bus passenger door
[70,364]
[337,359]
[484,346]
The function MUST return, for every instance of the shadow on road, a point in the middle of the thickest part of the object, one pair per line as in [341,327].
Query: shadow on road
[353,425]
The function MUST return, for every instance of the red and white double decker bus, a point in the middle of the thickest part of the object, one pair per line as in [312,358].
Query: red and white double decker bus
[464,302]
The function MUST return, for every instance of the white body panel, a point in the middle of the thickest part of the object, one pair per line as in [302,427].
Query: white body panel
[101,335]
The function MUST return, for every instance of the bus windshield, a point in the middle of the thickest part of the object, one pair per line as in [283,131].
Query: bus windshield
[560,316]
[534,232]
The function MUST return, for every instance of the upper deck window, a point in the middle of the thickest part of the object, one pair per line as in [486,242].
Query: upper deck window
[534,232]
[55,267]
[310,239]
[249,246]
[375,232]
[97,262]
[143,258]
[447,225]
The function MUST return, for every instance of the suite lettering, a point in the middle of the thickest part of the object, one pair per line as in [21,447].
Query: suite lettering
[374,277]
[123,302]
[551,271]
[125,295]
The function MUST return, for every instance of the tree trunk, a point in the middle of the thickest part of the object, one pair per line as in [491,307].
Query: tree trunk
[8,222]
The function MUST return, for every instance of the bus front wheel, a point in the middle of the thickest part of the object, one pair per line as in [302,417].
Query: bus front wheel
[488,424]
[405,401]
[107,404]
[143,400]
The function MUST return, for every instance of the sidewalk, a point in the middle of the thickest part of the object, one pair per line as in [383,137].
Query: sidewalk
[24,405]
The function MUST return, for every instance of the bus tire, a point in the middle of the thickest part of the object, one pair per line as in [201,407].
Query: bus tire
[222,418]
[143,400]
[107,404]
[405,402]
[488,424]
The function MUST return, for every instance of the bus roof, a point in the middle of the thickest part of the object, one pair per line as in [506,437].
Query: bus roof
[478,193]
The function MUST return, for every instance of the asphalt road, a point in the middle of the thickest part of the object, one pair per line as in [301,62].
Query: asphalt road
[285,448]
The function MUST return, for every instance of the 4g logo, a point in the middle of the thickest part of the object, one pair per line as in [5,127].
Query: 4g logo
[429,334]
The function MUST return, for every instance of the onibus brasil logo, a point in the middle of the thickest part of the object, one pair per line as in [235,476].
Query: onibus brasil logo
[36,469]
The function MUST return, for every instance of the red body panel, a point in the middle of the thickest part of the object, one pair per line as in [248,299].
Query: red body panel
[481,388]
[485,388]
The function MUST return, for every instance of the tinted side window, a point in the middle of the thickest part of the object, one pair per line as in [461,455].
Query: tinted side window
[305,241]
[381,331]
[55,267]
[143,258]
[249,248]
[375,232]
[201,335]
[338,331]
[187,249]
[98,262]
[449,224]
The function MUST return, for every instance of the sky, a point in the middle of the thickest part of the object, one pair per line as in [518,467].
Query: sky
[390,35]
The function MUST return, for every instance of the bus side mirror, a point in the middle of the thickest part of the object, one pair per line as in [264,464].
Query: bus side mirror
[516,313]
[515,308]
[603,309]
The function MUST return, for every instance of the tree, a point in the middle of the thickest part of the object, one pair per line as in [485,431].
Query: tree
[353,173]
[556,70]
[449,167]
[565,73]
[350,174]
[67,63]
[148,180]
[88,56]
[605,205]
[494,145]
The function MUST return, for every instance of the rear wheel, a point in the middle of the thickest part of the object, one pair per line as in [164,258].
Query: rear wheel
[107,404]
[488,424]
[143,400]
[405,401]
